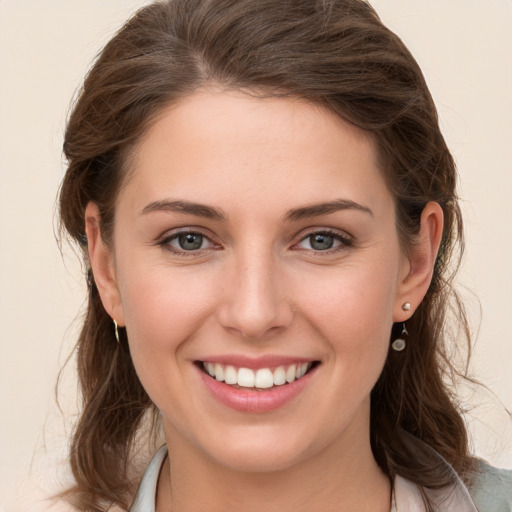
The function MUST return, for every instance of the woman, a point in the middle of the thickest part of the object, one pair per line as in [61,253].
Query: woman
[269,213]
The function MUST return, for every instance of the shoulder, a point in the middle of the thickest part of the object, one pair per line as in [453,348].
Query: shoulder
[491,488]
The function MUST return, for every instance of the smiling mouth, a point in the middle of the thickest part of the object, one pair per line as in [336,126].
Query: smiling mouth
[262,379]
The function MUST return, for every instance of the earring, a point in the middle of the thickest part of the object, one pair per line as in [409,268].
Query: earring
[116,332]
[399,344]
[406,306]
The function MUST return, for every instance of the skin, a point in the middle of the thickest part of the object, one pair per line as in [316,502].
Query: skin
[258,285]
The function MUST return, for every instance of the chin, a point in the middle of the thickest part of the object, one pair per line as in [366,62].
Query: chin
[257,459]
[261,450]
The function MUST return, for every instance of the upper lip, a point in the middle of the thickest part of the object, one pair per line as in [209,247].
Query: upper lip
[266,361]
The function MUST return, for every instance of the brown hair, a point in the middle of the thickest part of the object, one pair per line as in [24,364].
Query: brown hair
[335,53]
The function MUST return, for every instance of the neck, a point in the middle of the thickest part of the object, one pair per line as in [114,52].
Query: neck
[338,479]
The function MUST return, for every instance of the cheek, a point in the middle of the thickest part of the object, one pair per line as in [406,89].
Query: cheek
[353,312]
[357,298]
[163,309]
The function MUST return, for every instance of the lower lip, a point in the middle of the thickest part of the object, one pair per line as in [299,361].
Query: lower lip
[250,400]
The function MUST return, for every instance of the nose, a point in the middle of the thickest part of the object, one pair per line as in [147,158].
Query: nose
[254,303]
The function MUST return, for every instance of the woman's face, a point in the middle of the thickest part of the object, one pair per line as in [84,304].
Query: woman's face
[256,238]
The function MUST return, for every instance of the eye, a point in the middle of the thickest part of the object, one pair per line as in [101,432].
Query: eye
[321,241]
[324,241]
[187,241]
[190,241]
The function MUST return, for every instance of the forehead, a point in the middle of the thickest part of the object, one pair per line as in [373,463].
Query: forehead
[216,145]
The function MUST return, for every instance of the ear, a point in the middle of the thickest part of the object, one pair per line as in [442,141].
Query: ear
[419,265]
[101,259]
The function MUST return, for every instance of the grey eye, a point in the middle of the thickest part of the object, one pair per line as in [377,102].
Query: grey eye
[324,241]
[321,241]
[190,241]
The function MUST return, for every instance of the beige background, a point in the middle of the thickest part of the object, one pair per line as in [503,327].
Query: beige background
[464,48]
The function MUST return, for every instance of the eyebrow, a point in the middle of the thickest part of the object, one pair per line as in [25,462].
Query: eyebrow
[296,214]
[316,210]
[180,206]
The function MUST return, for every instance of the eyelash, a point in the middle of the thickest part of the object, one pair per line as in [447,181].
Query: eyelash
[345,242]
[166,243]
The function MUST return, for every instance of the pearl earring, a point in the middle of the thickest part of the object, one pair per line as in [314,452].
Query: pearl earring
[399,344]
[406,306]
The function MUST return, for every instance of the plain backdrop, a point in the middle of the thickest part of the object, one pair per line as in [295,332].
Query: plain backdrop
[464,48]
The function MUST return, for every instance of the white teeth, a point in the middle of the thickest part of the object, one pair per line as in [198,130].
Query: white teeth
[210,368]
[246,378]
[290,373]
[262,378]
[301,370]
[279,376]
[219,372]
[231,375]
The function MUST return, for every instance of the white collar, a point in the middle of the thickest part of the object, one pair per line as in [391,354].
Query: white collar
[146,495]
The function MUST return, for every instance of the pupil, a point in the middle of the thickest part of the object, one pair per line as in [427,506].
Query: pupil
[191,241]
[321,242]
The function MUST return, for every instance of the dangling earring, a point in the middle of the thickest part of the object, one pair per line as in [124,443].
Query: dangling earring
[399,344]
[116,332]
